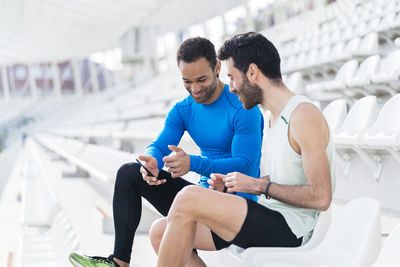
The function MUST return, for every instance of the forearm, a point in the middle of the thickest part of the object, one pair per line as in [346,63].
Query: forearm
[257,186]
[304,196]
[205,166]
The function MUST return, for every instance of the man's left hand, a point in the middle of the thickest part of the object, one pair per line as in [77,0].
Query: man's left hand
[239,182]
[178,163]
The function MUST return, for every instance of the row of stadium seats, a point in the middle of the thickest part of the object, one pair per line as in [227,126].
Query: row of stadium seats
[332,54]
[381,26]
[365,131]
[373,75]
[340,21]
[363,128]
[351,239]
[356,228]
[47,236]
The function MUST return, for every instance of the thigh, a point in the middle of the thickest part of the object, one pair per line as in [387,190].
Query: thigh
[162,196]
[235,220]
[222,213]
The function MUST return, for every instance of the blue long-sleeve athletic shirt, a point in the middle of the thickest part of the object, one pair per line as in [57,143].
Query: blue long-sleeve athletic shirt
[228,135]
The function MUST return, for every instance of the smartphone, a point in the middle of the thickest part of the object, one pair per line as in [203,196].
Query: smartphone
[141,164]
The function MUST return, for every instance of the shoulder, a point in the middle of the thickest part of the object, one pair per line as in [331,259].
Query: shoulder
[307,124]
[186,102]
[180,108]
[307,113]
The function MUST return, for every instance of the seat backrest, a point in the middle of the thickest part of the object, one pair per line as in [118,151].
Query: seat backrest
[390,110]
[325,52]
[361,27]
[368,67]
[337,48]
[389,255]
[312,56]
[355,232]
[370,43]
[374,23]
[352,45]
[347,71]
[335,113]
[361,115]
[320,229]
[390,63]
[388,19]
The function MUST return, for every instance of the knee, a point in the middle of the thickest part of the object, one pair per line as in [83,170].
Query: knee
[186,202]
[127,174]
[157,232]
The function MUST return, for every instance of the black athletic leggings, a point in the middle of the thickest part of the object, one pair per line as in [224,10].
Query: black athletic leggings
[262,226]
[127,203]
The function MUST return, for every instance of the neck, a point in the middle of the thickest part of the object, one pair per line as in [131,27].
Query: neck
[276,97]
[217,93]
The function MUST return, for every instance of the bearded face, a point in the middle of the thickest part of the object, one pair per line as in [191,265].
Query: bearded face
[249,94]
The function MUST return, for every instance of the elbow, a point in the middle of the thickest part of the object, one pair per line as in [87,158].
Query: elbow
[324,202]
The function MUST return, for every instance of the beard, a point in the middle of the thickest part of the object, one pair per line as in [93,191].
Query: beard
[250,94]
[207,91]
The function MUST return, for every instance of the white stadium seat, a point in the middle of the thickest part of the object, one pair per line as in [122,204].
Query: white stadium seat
[353,239]
[363,75]
[345,73]
[389,255]
[335,113]
[389,69]
[385,132]
[369,45]
[321,227]
[349,49]
[361,115]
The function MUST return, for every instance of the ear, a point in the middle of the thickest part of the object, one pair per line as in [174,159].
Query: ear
[217,69]
[252,73]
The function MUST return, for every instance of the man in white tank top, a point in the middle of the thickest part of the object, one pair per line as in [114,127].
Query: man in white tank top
[299,183]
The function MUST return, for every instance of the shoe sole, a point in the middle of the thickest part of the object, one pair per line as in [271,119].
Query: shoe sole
[75,263]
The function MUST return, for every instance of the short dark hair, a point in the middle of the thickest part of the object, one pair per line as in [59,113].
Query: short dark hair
[252,47]
[195,48]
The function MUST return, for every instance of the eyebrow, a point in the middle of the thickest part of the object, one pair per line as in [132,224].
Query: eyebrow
[199,78]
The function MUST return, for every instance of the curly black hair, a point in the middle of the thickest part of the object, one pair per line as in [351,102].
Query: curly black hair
[252,47]
[195,48]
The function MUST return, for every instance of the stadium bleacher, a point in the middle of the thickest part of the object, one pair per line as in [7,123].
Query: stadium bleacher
[345,56]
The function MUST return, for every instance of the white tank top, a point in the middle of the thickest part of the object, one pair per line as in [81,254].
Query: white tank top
[285,166]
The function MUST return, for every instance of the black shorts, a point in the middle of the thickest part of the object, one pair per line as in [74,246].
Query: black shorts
[262,227]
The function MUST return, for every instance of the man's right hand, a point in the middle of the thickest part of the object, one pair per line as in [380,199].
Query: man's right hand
[217,182]
[150,163]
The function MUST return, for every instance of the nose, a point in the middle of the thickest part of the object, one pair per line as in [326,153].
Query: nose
[231,87]
[195,88]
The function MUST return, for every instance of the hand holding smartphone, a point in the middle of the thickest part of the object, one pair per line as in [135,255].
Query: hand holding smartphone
[148,172]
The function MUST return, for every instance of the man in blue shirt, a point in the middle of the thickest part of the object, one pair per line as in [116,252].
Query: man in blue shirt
[228,135]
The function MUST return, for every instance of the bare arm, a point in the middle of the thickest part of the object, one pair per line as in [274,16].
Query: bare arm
[310,135]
